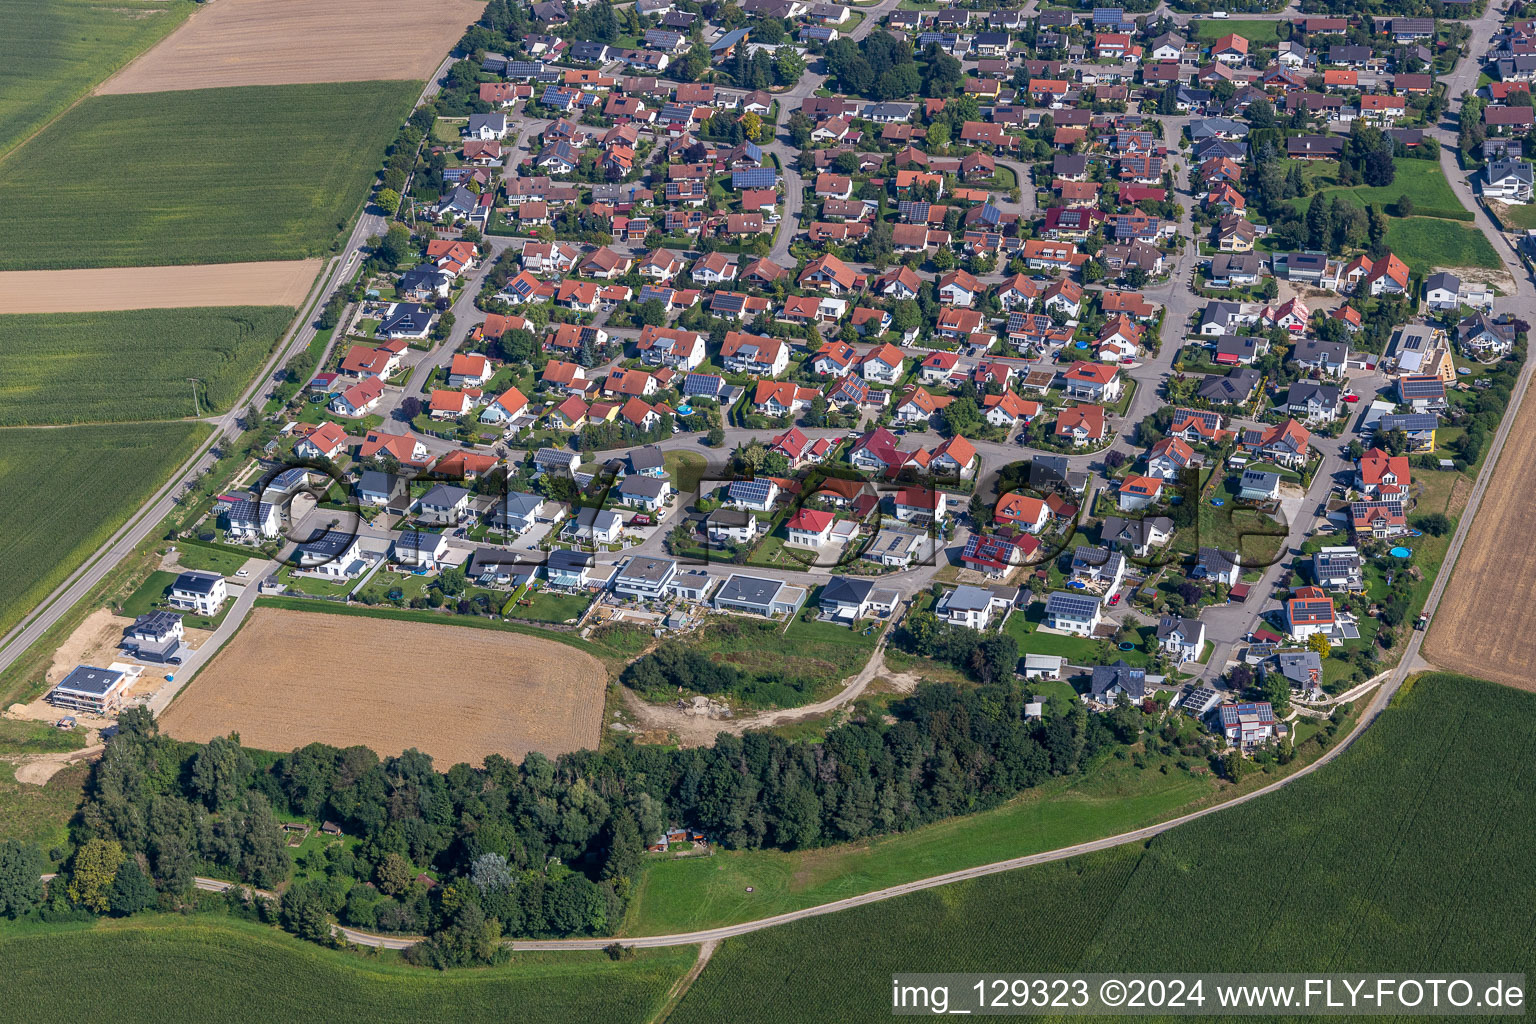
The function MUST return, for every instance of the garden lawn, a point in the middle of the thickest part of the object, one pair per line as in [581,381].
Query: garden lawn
[1422,181]
[676,895]
[243,973]
[1078,650]
[1415,842]
[1520,217]
[149,593]
[55,51]
[202,176]
[63,491]
[1425,242]
[192,555]
[1256,32]
[548,606]
[100,367]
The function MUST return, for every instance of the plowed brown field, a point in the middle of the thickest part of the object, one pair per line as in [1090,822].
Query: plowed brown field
[300,42]
[1485,625]
[276,283]
[289,678]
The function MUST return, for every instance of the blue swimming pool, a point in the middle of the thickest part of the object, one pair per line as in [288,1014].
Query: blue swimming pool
[1400,553]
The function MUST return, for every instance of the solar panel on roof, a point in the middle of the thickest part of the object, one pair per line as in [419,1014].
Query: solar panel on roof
[650,291]
[729,302]
[754,177]
[755,491]
[990,214]
[701,384]
[1074,605]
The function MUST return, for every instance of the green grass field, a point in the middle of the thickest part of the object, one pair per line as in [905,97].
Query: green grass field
[685,894]
[1424,242]
[241,973]
[1411,850]
[204,176]
[1422,181]
[1519,218]
[54,51]
[99,367]
[1260,33]
[63,491]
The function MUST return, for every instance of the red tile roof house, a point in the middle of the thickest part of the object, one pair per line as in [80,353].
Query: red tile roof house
[1383,474]
[1022,510]
[1285,443]
[955,458]
[877,452]
[1093,381]
[918,408]
[809,528]
[1382,517]
[1081,424]
[359,399]
[994,554]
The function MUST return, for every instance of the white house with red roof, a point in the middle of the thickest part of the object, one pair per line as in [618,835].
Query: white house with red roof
[754,354]
[1022,510]
[359,399]
[1291,315]
[809,528]
[1137,492]
[1081,424]
[506,407]
[781,398]
[833,359]
[1008,409]
[1170,457]
[667,346]
[956,457]
[958,288]
[448,404]
[877,452]
[323,441]
[468,371]
[1093,382]
[938,367]
[919,408]
[882,365]
[1382,474]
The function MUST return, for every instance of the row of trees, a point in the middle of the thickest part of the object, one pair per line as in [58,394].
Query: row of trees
[547,847]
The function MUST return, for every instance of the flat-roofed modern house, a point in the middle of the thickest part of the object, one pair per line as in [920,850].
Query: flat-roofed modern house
[96,691]
[201,592]
[644,578]
[760,596]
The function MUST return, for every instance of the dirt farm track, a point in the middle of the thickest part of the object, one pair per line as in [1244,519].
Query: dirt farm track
[299,42]
[288,678]
[1487,618]
[277,283]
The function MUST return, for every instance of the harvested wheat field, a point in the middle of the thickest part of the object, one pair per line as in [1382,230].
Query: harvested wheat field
[300,42]
[1485,625]
[289,678]
[274,283]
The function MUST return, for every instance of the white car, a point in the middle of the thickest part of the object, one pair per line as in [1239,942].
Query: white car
[242,574]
